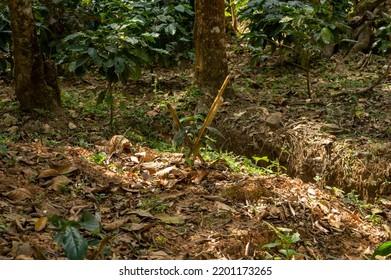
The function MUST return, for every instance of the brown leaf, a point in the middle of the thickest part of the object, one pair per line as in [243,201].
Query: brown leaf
[59,182]
[115,225]
[163,173]
[139,226]
[169,219]
[41,223]
[158,255]
[199,176]
[117,144]
[19,194]
[71,125]
[141,213]
[56,170]
[223,206]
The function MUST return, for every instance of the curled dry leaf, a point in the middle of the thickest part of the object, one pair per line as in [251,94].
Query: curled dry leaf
[118,144]
[19,194]
[115,225]
[71,125]
[59,182]
[165,172]
[56,170]
[41,223]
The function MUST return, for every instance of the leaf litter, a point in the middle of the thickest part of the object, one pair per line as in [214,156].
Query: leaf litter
[175,212]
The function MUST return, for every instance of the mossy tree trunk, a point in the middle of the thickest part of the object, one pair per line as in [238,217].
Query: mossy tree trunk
[210,48]
[35,80]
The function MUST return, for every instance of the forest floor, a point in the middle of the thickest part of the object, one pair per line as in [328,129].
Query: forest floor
[152,205]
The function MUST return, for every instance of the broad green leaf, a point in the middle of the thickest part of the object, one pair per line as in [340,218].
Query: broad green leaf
[180,8]
[88,221]
[272,245]
[382,250]
[92,52]
[170,29]
[119,64]
[76,48]
[286,19]
[295,237]
[74,36]
[111,48]
[131,40]
[326,35]
[72,66]
[288,252]
[109,63]
[75,246]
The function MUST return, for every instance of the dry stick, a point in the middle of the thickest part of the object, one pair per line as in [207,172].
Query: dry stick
[209,118]
[371,87]
[175,117]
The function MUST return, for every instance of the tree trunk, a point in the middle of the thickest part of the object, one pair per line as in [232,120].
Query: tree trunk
[210,42]
[35,80]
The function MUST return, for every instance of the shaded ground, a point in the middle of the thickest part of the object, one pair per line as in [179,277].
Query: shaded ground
[151,205]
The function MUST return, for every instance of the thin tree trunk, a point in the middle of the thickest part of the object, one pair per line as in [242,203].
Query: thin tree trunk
[35,88]
[211,66]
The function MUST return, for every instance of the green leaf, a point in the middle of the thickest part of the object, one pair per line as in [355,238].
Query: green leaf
[272,245]
[215,131]
[288,252]
[3,150]
[286,19]
[383,250]
[295,237]
[179,8]
[72,66]
[74,36]
[92,52]
[111,48]
[88,221]
[75,246]
[170,29]
[131,40]
[119,64]
[326,35]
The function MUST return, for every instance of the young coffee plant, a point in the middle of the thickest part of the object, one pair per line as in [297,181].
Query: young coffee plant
[284,241]
[69,237]
[299,29]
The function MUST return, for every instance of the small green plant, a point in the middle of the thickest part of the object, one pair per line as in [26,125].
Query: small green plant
[383,250]
[69,237]
[274,167]
[98,158]
[3,150]
[283,241]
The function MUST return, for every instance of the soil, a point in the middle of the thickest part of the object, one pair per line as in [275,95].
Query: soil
[153,205]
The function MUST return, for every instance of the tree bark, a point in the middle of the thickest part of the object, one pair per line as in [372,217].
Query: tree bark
[211,66]
[35,80]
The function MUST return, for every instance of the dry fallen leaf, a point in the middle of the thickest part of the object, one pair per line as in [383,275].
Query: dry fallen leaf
[115,225]
[158,255]
[169,219]
[165,172]
[41,223]
[71,125]
[59,182]
[56,170]
[19,194]
[117,144]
